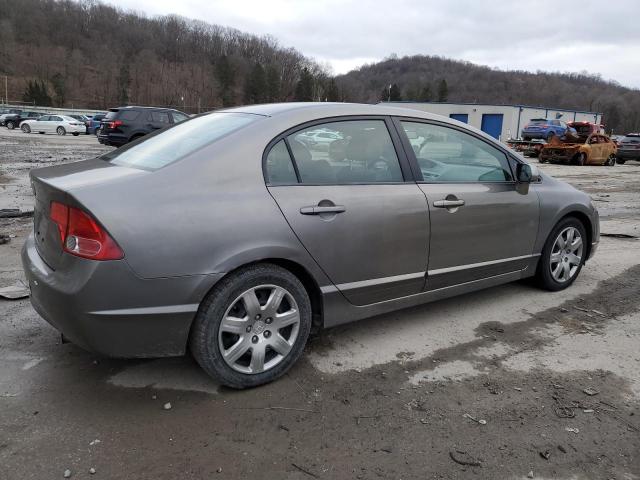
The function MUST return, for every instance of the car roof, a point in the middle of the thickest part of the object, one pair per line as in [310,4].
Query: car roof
[329,109]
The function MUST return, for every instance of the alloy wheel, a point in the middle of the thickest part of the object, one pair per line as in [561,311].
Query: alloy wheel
[259,329]
[566,255]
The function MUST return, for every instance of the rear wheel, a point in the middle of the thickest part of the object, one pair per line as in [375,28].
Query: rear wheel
[252,327]
[550,135]
[563,255]
[75,134]
[61,131]
[580,159]
[611,161]
[11,125]
[25,128]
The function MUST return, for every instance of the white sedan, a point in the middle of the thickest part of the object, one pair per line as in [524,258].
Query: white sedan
[60,124]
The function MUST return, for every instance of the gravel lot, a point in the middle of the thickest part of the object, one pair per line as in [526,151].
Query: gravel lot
[398,396]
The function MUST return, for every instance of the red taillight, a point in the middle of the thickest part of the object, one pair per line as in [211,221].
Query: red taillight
[114,124]
[82,236]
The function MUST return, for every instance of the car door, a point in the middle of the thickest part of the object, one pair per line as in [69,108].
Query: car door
[482,223]
[595,149]
[158,119]
[354,207]
[40,124]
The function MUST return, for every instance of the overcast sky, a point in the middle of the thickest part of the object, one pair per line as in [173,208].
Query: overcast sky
[598,36]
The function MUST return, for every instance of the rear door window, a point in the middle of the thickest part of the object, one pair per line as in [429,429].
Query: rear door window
[280,170]
[348,152]
[160,117]
[128,115]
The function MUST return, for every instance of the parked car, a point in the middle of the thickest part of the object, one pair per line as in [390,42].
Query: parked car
[319,139]
[629,148]
[84,119]
[596,149]
[14,120]
[94,123]
[584,129]
[543,128]
[226,236]
[7,111]
[60,124]
[125,124]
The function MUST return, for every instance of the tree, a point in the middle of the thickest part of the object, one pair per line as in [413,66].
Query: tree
[36,92]
[425,94]
[443,91]
[124,81]
[391,94]
[304,87]
[331,92]
[59,88]
[273,84]
[226,77]
[255,88]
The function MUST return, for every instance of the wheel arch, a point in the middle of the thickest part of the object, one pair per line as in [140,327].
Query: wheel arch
[299,271]
[588,226]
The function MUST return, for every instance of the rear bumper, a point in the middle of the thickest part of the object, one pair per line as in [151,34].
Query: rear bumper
[112,139]
[105,308]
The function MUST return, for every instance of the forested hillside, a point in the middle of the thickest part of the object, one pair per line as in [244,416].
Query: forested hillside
[89,54]
[430,78]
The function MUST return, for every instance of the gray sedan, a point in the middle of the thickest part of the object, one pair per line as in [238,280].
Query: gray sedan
[228,236]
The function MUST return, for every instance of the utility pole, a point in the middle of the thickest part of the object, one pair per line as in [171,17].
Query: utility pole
[6,90]
[389,98]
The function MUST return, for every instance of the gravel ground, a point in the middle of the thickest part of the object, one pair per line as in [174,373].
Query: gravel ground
[486,385]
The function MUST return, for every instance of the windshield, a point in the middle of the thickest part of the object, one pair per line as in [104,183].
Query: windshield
[537,121]
[179,141]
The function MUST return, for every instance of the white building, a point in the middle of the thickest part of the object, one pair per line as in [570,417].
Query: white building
[500,121]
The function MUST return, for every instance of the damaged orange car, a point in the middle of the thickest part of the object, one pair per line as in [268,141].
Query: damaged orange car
[595,149]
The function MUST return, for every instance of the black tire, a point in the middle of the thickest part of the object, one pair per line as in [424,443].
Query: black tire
[550,135]
[204,342]
[620,161]
[611,161]
[136,137]
[11,125]
[580,159]
[61,131]
[75,134]
[25,128]
[544,278]
[542,160]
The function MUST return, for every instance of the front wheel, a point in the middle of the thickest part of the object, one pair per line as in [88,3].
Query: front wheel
[550,136]
[11,125]
[75,134]
[580,159]
[25,128]
[252,327]
[563,255]
[61,131]
[620,161]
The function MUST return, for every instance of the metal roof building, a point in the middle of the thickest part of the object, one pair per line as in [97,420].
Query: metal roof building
[500,121]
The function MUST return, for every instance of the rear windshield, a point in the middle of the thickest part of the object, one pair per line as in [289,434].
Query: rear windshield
[537,121]
[172,144]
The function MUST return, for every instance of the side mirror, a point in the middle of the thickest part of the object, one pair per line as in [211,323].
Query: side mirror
[527,173]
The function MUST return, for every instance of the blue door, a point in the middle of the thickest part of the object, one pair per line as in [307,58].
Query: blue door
[461,117]
[492,124]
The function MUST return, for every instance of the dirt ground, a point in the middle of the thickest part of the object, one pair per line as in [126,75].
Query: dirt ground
[488,385]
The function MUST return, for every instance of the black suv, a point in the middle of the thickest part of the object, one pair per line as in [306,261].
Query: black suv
[125,124]
[629,148]
[14,120]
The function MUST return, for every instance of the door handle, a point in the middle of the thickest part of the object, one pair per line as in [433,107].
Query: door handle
[318,210]
[448,203]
